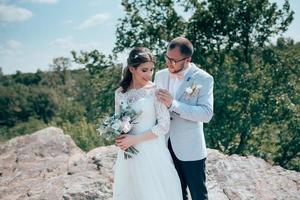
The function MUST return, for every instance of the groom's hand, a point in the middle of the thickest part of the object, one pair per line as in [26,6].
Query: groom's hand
[165,97]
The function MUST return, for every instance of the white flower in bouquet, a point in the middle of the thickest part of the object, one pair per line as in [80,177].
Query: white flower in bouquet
[126,126]
[117,125]
[120,123]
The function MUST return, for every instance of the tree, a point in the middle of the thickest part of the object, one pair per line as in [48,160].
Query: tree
[281,94]
[2,77]
[104,78]
[61,74]
[19,102]
[44,103]
[151,24]
[218,25]
[27,78]
[14,107]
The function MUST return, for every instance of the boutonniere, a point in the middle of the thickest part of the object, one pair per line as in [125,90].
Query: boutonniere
[190,91]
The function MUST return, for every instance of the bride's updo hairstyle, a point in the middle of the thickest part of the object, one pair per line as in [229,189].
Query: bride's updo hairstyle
[137,56]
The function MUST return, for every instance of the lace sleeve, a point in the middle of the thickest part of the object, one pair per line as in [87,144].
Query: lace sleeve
[163,119]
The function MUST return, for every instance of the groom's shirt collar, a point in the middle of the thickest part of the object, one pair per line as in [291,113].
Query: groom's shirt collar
[185,71]
[174,84]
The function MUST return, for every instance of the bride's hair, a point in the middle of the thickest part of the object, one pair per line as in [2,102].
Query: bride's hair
[136,57]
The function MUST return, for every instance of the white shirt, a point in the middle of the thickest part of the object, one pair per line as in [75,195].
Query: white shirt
[174,84]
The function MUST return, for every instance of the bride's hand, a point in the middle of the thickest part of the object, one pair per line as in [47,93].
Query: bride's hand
[125,141]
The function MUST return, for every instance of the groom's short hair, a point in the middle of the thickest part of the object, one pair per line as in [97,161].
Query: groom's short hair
[184,45]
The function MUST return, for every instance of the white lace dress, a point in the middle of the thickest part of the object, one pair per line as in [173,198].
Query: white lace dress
[149,175]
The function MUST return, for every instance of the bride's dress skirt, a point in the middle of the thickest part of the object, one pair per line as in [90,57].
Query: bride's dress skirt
[149,175]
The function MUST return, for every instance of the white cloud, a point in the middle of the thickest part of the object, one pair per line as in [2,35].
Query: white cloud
[94,20]
[11,47]
[43,1]
[68,43]
[64,43]
[11,13]
[13,44]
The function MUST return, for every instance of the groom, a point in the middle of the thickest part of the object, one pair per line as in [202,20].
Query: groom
[187,91]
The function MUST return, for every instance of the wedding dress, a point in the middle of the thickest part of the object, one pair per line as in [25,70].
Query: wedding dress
[150,174]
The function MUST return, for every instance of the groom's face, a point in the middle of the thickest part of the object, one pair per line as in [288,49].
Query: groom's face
[175,61]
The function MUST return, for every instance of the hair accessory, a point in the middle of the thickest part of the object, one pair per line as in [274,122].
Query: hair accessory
[140,54]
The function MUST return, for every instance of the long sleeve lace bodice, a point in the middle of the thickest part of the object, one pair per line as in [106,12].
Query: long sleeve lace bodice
[155,116]
[163,118]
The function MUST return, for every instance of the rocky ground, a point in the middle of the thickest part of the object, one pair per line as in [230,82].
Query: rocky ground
[48,165]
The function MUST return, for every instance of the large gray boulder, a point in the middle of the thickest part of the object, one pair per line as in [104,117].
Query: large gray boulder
[48,165]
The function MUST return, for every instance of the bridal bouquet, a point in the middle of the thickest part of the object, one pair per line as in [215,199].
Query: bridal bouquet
[120,123]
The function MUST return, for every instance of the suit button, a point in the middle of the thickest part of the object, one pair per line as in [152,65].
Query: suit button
[171,118]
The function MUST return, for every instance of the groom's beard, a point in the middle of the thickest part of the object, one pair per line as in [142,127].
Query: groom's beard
[181,69]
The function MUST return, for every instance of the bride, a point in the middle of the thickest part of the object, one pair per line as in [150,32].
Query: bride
[150,174]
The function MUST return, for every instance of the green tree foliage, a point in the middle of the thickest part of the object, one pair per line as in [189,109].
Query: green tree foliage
[61,73]
[19,102]
[83,133]
[30,126]
[104,78]
[27,78]
[218,25]
[148,23]
[30,101]
[281,85]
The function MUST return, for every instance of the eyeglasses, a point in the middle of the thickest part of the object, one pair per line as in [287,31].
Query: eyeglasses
[171,60]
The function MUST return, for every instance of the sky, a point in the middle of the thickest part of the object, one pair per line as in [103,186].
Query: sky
[33,32]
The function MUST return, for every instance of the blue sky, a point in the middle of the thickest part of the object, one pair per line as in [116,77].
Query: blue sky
[33,32]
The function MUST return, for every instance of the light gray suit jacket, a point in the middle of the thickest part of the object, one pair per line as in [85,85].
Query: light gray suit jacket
[192,106]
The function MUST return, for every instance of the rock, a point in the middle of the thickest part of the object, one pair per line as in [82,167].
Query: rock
[236,177]
[48,165]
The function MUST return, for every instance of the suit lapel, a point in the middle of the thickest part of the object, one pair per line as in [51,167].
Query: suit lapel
[166,80]
[186,82]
